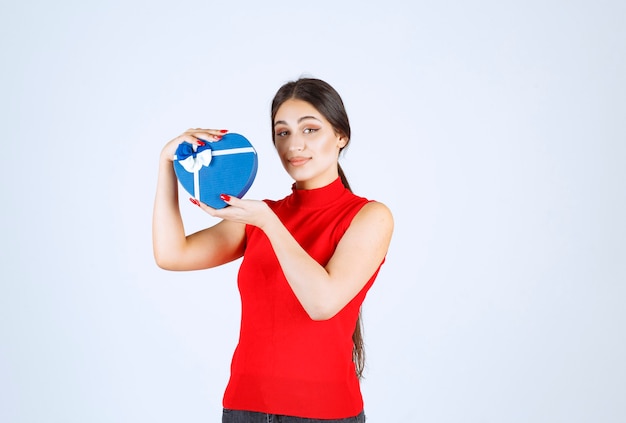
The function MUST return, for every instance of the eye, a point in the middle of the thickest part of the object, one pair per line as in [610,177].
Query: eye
[281,133]
[310,130]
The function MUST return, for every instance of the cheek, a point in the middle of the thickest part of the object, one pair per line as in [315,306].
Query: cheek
[282,153]
[331,147]
[279,147]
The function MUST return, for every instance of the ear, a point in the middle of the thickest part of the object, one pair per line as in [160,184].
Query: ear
[342,141]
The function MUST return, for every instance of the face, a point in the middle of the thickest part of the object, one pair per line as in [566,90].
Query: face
[307,144]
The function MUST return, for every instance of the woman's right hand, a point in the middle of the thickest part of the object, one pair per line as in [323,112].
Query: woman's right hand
[195,136]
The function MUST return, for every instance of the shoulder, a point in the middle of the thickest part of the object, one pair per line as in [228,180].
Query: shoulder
[370,232]
[376,214]
[276,203]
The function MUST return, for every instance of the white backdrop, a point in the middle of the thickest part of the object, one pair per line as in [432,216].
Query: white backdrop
[494,130]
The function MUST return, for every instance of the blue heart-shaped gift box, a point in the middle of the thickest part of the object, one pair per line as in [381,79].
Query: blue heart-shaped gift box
[227,166]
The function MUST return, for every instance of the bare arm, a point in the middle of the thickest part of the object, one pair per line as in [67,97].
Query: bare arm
[173,250]
[322,291]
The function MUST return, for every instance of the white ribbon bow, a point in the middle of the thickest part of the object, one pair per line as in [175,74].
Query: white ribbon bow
[193,164]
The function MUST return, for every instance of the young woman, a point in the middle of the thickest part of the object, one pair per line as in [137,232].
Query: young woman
[308,262]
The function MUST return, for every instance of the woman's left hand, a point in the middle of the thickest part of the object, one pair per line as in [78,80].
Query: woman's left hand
[249,212]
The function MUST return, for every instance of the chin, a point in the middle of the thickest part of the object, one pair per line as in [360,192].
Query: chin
[300,175]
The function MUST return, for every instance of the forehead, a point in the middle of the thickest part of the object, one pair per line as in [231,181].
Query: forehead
[292,110]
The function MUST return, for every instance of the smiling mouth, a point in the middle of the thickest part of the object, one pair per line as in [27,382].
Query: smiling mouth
[298,161]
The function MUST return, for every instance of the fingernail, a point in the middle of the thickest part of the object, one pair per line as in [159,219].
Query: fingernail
[196,202]
[223,131]
[201,143]
[217,137]
[225,197]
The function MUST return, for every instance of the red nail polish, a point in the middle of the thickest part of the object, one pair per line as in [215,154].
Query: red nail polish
[194,201]
[225,197]
[217,137]
[201,143]
[223,131]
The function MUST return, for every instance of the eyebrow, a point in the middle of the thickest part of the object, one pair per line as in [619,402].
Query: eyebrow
[299,120]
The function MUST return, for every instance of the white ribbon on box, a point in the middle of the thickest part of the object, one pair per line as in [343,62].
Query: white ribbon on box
[193,164]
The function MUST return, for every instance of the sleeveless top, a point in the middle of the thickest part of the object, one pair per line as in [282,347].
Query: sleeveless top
[286,363]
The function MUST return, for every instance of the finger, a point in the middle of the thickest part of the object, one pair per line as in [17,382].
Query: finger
[190,139]
[211,131]
[210,210]
[207,134]
[225,212]
[230,199]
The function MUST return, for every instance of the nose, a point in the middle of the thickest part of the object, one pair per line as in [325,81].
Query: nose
[296,143]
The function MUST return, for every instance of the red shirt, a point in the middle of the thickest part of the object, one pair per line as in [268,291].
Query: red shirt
[285,362]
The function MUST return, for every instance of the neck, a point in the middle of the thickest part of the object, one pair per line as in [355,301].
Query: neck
[319,182]
[318,197]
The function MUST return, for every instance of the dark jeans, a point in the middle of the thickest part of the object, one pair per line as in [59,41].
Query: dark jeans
[237,416]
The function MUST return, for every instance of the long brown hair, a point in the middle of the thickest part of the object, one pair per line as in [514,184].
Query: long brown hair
[328,102]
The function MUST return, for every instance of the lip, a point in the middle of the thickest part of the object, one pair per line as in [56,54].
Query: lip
[298,161]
